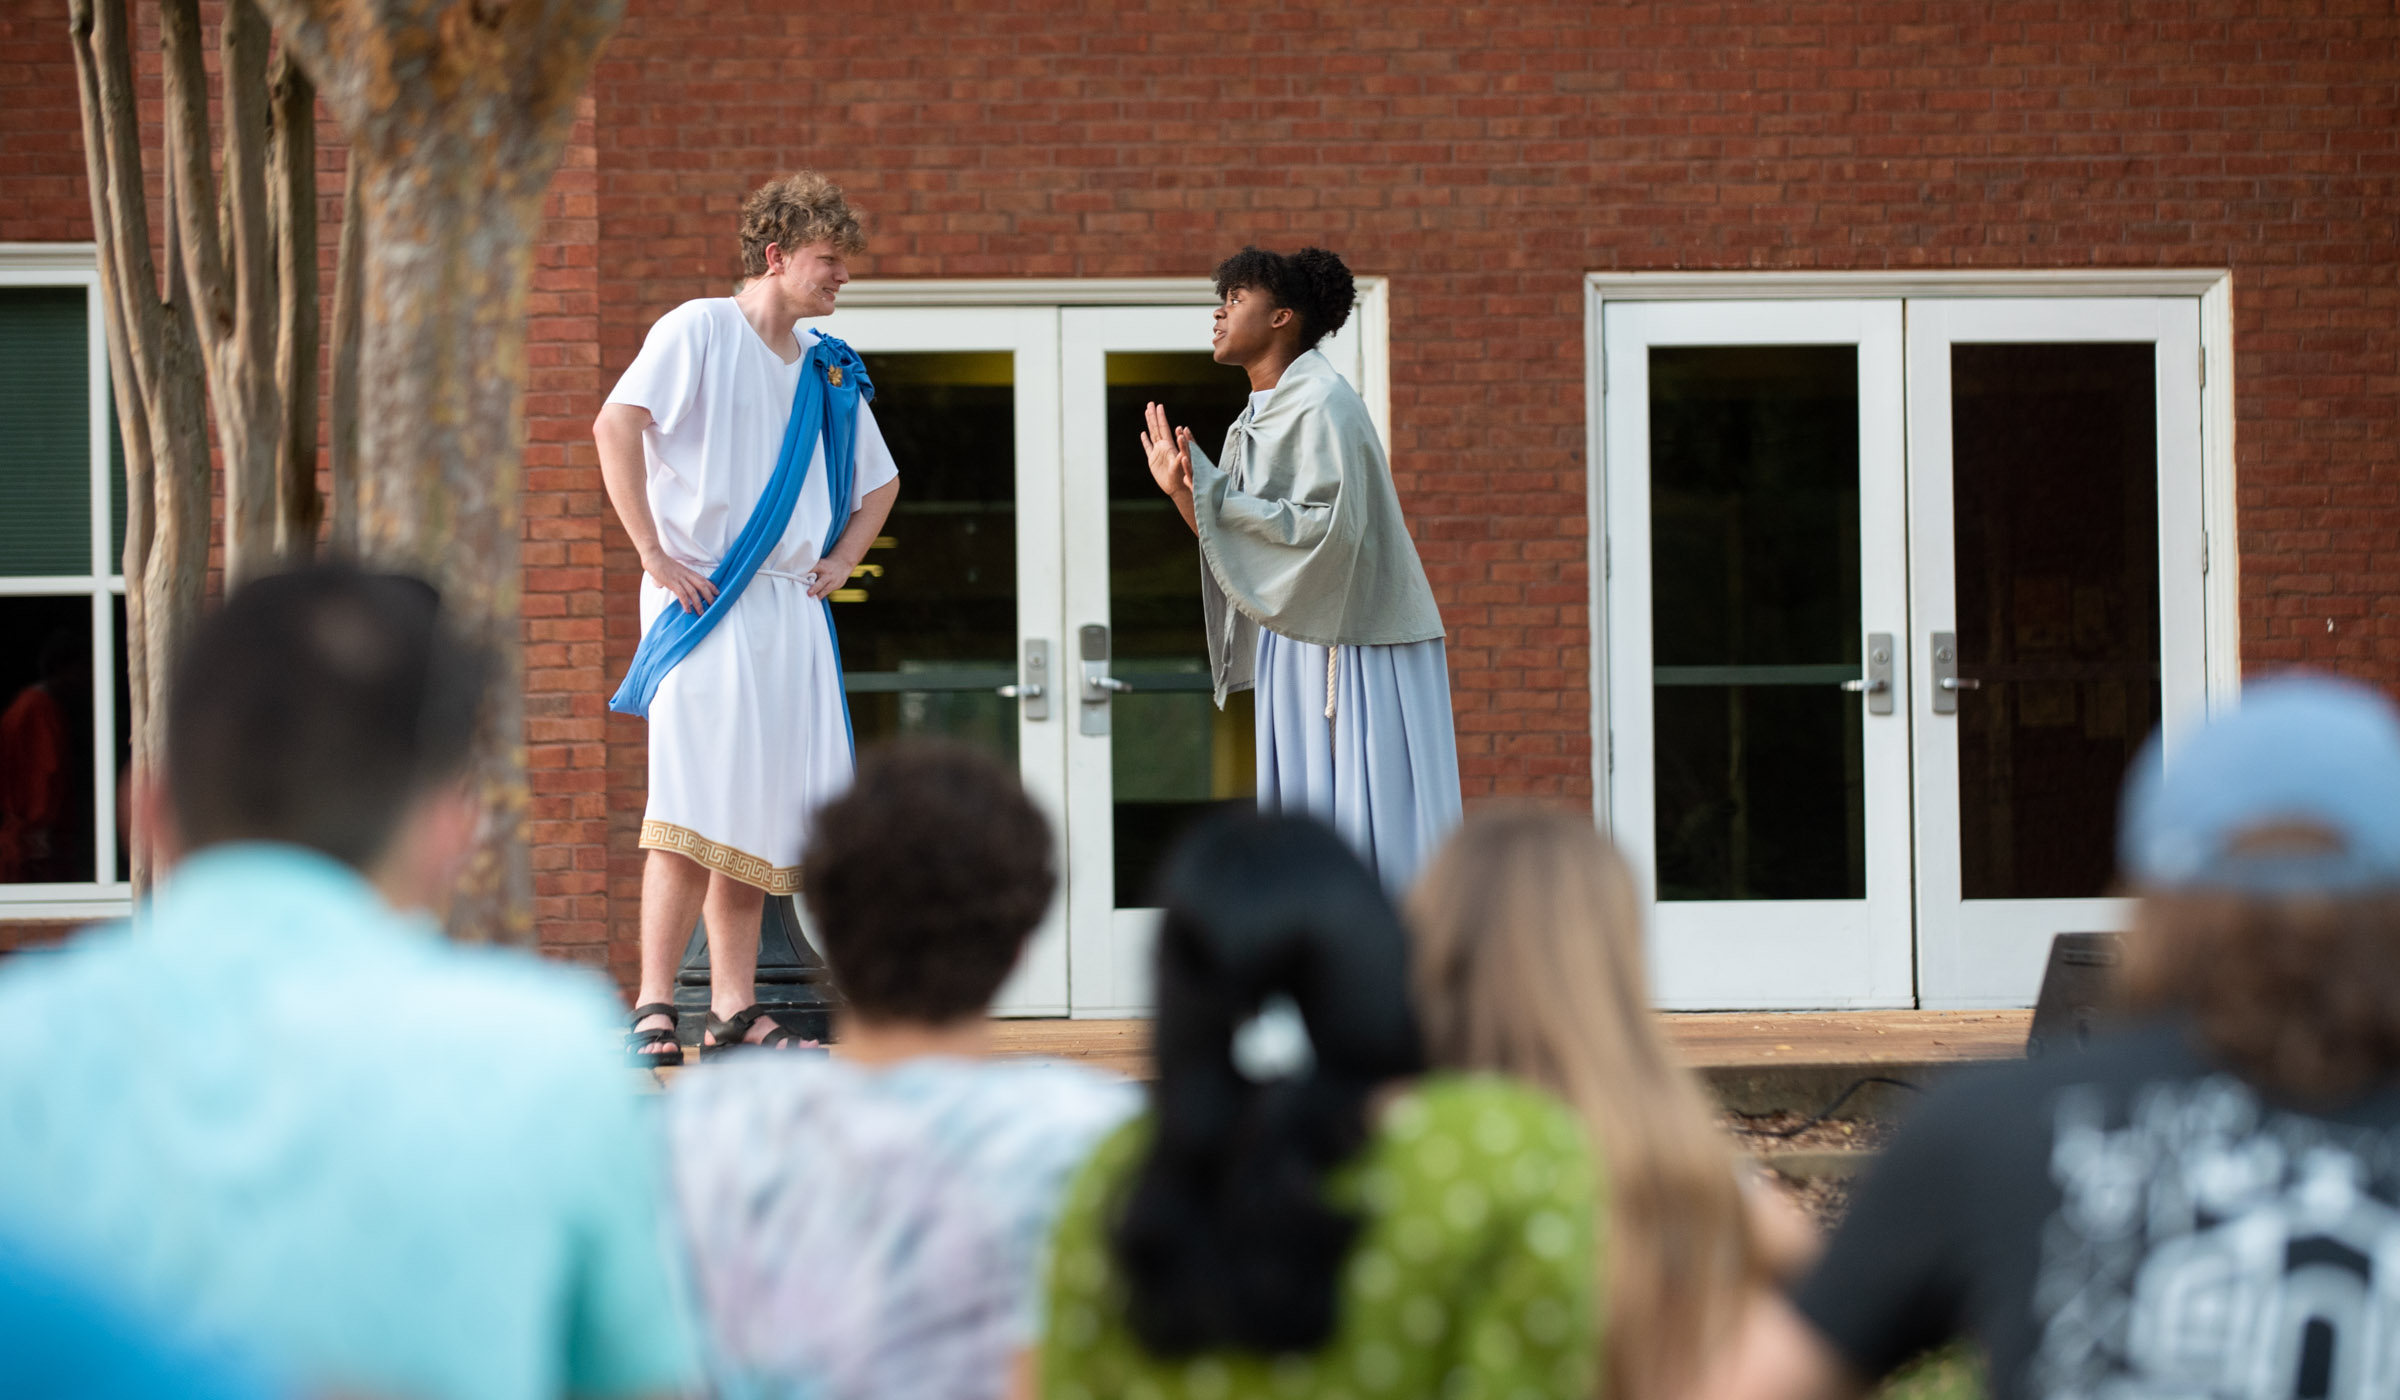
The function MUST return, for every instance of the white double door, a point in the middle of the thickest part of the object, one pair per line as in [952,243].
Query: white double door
[1895,589]
[1030,549]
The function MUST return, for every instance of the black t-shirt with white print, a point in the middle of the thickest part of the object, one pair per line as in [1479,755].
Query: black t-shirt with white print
[2130,1222]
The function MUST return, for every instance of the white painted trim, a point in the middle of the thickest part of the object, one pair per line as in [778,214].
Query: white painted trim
[2029,282]
[33,904]
[1031,291]
[45,585]
[1596,551]
[1371,320]
[77,265]
[2221,589]
[49,262]
[1029,335]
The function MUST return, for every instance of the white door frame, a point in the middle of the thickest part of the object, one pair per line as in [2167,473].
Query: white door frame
[1030,335]
[1715,955]
[1990,952]
[1111,946]
[1090,959]
[2219,600]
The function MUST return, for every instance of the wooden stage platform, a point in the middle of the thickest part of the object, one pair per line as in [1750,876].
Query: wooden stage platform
[1711,1041]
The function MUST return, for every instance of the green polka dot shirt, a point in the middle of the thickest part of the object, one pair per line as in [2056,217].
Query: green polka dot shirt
[1472,1279]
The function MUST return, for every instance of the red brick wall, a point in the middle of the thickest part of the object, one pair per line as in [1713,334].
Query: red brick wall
[1483,159]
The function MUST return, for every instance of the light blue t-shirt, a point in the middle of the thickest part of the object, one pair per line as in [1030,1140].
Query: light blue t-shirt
[297,1126]
[59,1342]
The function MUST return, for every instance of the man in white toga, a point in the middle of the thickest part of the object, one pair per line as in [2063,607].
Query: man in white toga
[749,731]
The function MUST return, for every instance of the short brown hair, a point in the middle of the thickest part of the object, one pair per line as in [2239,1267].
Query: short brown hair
[925,879]
[315,706]
[2300,994]
[793,212]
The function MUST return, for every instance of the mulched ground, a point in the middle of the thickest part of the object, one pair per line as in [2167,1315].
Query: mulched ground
[1772,1132]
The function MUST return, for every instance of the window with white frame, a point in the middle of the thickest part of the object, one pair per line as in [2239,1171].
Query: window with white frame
[64,741]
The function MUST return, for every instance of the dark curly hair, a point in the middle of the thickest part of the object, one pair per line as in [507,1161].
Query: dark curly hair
[1312,283]
[925,879]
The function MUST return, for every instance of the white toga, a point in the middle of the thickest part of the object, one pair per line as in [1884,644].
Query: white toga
[748,734]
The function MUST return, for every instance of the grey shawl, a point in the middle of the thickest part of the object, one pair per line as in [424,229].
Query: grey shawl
[1300,530]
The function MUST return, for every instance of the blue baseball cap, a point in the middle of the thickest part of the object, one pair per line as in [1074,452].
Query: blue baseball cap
[2308,752]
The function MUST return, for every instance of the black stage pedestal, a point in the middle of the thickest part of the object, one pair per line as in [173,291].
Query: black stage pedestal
[794,984]
[2078,993]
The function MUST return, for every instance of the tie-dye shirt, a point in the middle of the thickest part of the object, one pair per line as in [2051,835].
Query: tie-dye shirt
[878,1231]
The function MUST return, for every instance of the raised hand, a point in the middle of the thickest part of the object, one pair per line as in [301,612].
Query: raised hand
[1169,451]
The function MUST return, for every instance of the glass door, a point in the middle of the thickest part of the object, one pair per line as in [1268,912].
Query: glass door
[1146,760]
[1757,616]
[2056,547]
[957,604]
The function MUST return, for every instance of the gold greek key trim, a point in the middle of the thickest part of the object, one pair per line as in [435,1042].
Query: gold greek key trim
[725,860]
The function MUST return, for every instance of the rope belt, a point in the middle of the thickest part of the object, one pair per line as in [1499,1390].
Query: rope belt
[1332,660]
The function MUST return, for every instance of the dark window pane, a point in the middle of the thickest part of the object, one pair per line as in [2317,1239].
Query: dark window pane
[929,633]
[2055,474]
[116,490]
[1759,794]
[46,459]
[1755,622]
[124,748]
[46,740]
[1176,756]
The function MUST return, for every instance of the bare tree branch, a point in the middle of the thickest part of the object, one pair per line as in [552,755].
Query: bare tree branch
[292,217]
[348,278]
[194,184]
[227,255]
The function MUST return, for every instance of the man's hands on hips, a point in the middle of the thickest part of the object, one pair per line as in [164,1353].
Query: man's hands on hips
[690,587]
[831,572]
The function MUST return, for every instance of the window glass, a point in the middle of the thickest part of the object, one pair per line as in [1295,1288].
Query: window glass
[46,740]
[46,458]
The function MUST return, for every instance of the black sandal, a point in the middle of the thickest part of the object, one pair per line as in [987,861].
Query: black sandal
[644,1047]
[733,1033]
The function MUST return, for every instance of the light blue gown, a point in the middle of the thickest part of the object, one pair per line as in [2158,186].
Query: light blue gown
[1384,770]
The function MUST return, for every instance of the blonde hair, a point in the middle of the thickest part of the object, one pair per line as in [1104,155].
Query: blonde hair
[793,212]
[1528,961]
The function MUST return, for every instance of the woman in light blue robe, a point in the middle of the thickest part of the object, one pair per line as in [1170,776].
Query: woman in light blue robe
[1311,587]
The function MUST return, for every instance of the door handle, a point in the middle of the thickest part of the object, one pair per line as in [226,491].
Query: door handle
[1034,689]
[1876,684]
[1098,685]
[1947,682]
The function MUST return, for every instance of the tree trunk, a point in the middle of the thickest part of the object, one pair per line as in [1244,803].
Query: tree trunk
[228,258]
[440,434]
[155,374]
[292,222]
[342,408]
[457,113]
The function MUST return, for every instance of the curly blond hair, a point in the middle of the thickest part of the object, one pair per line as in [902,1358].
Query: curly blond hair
[793,212]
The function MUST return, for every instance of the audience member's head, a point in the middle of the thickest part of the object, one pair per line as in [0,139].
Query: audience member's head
[925,879]
[1528,961]
[2268,861]
[1282,1005]
[322,708]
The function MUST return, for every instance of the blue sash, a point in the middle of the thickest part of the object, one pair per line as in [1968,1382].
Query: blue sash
[832,381]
